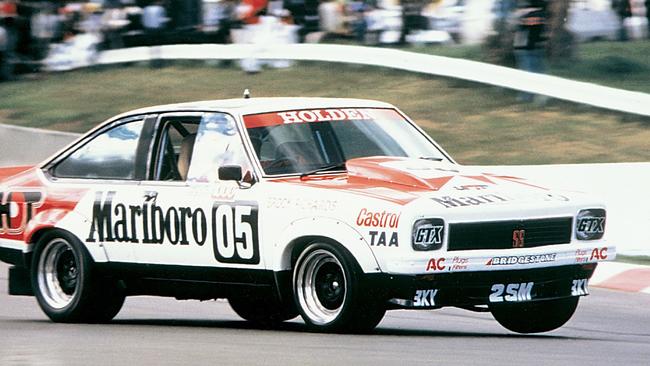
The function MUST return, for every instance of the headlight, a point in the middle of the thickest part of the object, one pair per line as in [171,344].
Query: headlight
[428,234]
[590,224]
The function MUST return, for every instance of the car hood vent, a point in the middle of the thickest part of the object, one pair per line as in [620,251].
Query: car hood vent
[414,173]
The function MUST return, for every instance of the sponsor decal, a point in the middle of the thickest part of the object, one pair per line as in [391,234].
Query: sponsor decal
[232,226]
[428,235]
[511,292]
[586,255]
[582,255]
[425,298]
[590,224]
[436,265]
[459,264]
[17,208]
[383,238]
[463,201]
[522,259]
[301,203]
[323,115]
[598,254]
[579,288]
[223,193]
[379,219]
[471,187]
[518,237]
[319,115]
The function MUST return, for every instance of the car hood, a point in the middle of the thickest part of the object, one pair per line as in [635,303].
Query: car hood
[403,180]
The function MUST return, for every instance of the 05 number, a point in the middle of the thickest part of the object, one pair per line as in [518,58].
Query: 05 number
[235,234]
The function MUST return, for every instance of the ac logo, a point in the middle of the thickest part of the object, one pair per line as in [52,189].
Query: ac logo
[436,264]
[598,254]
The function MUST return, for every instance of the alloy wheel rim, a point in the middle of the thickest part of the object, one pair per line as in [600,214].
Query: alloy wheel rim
[58,274]
[321,286]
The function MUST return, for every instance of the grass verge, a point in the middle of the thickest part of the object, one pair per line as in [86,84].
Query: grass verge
[477,124]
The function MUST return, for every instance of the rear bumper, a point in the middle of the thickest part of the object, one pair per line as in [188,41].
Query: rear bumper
[472,289]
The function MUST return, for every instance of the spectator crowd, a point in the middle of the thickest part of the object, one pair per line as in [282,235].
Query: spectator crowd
[38,32]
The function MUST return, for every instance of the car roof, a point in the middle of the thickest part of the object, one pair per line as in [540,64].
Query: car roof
[260,105]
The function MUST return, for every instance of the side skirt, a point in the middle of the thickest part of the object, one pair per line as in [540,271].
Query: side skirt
[189,282]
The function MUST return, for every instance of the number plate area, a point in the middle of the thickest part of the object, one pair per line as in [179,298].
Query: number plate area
[511,292]
[468,291]
[528,291]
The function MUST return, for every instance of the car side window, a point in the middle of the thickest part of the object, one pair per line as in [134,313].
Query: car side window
[218,143]
[110,155]
[177,136]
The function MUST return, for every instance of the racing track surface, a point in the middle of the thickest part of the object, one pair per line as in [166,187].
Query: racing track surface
[609,328]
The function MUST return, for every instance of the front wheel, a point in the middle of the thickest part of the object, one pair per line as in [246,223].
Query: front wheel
[535,317]
[330,291]
[65,285]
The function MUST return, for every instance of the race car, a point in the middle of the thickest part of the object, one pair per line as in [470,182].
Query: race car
[334,209]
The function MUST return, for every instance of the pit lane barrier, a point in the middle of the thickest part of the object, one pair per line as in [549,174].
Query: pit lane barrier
[552,86]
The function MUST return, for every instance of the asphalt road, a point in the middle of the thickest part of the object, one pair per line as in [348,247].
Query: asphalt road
[609,327]
[19,145]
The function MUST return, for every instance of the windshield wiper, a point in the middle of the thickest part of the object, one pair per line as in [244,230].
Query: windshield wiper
[432,158]
[324,168]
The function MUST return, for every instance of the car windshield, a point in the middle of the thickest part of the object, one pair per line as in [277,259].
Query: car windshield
[306,141]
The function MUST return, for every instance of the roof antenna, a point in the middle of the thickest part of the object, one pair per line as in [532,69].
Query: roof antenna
[247,94]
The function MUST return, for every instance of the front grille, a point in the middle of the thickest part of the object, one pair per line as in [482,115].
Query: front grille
[500,234]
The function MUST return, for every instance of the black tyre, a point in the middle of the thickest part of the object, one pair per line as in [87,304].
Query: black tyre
[65,285]
[535,317]
[330,291]
[259,311]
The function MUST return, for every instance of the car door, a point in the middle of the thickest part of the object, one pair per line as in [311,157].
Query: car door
[108,166]
[206,222]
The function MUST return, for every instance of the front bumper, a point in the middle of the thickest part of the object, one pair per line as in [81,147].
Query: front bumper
[434,262]
[474,289]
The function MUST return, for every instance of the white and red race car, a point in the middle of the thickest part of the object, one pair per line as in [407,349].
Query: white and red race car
[334,209]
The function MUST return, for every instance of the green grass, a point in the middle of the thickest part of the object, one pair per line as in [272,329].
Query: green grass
[477,124]
[641,260]
[623,65]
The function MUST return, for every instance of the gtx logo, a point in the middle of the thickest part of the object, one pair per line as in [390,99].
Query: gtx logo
[591,225]
[429,235]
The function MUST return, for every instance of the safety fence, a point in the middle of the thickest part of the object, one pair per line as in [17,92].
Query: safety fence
[552,86]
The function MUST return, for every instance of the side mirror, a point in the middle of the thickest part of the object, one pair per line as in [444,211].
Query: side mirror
[230,172]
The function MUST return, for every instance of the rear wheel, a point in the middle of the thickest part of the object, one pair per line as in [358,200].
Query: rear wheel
[330,291]
[535,317]
[259,311]
[65,285]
